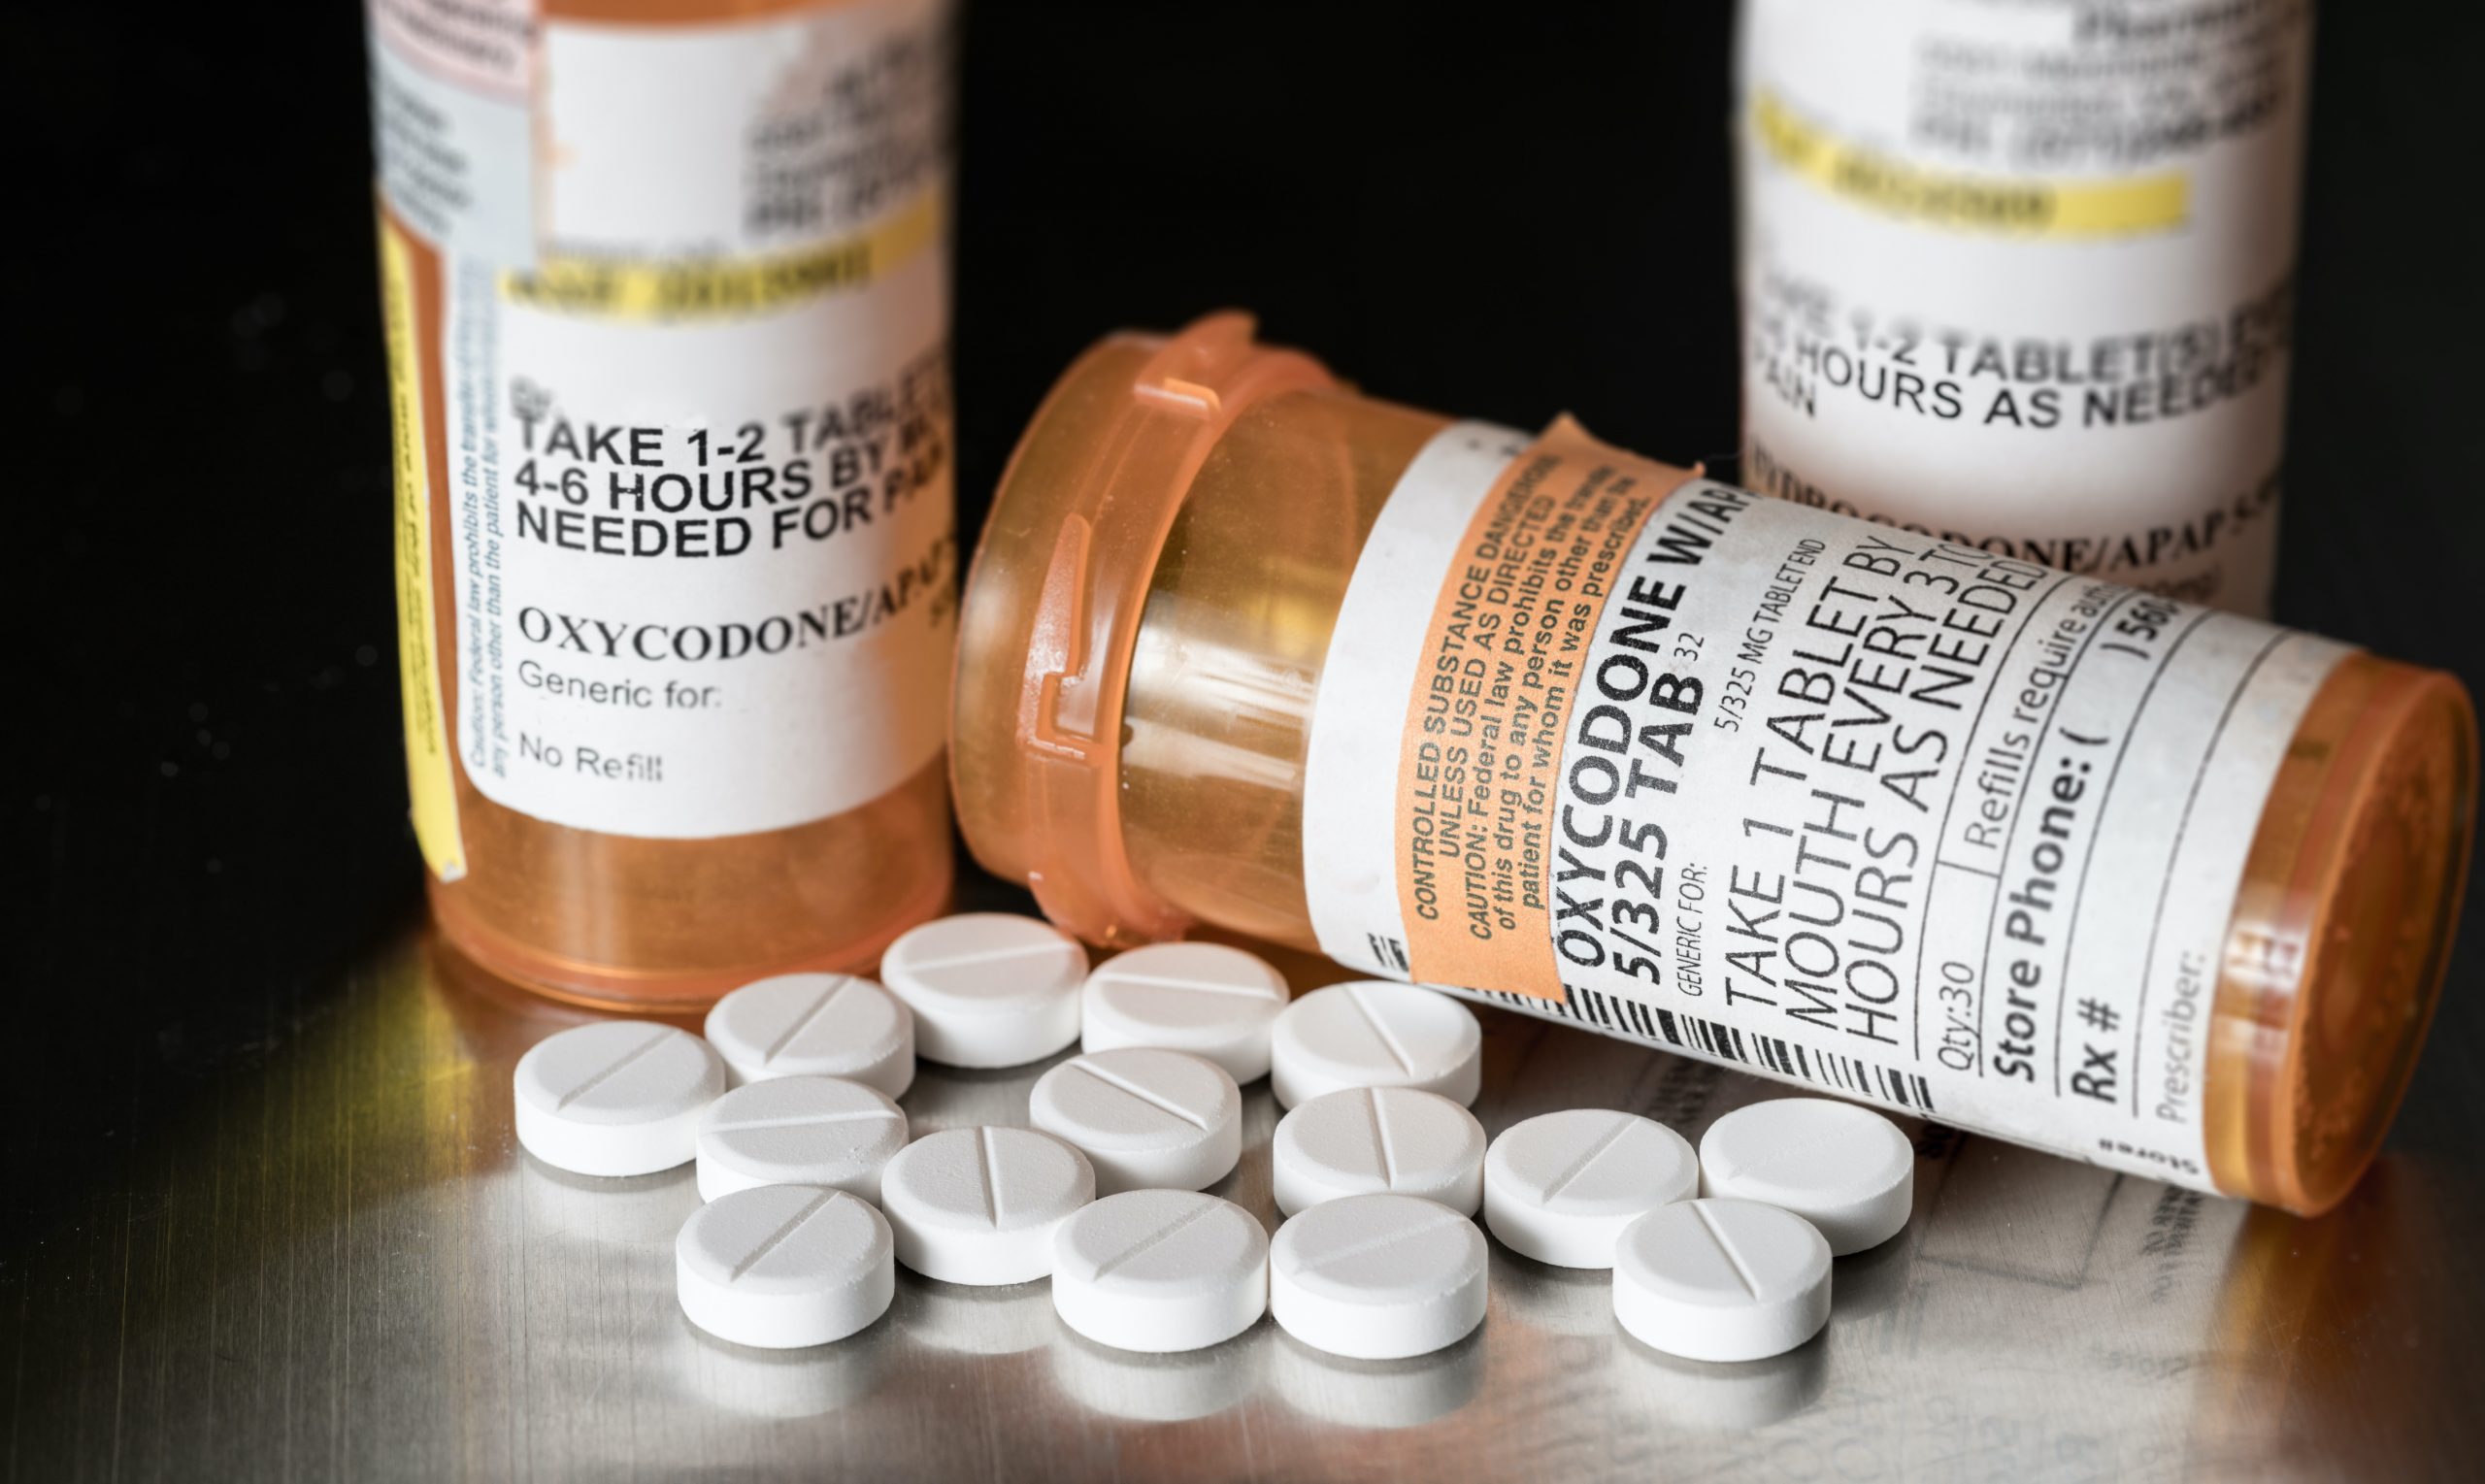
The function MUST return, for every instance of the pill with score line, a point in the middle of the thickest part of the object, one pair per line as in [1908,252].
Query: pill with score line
[1720,1279]
[799,1130]
[1208,999]
[1161,1271]
[1560,1187]
[781,1267]
[1363,1141]
[1376,1034]
[979,1205]
[615,1098]
[1146,1117]
[987,989]
[1378,1277]
[826,1025]
[1847,1170]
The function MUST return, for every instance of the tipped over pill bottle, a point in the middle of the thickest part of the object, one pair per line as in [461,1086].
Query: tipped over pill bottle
[1902,820]
[2022,276]
[664,284]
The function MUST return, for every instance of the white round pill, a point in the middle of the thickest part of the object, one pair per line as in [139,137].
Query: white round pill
[1721,1281]
[799,1130]
[1160,1271]
[1205,999]
[819,1025]
[987,989]
[1560,1187]
[615,1098]
[1367,1140]
[1378,1277]
[1146,1119]
[1375,1034]
[782,1266]
[979,1205]
[1847,1170]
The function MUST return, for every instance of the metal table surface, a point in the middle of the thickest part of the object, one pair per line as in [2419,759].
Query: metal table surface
[338,1264]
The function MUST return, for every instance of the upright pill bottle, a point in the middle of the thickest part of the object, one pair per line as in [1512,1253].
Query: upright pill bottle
[1895,817]
[2021,276]
[666,292]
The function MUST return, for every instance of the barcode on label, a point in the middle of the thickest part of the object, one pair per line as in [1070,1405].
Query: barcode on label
[1769,1055]
[1387,951]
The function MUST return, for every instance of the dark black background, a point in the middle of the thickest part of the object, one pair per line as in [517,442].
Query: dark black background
[1500,220]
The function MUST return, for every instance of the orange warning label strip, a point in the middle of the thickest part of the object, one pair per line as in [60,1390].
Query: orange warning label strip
[1478,772]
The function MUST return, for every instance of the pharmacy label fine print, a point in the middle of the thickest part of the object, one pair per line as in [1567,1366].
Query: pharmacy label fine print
[2022,277]
[694,465]
[1900,819]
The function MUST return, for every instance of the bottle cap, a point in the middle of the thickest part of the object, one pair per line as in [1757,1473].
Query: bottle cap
[1053,604]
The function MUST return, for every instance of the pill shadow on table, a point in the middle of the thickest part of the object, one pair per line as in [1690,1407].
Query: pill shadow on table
[946,1097]
[964,1319]
[1350,1393]
[1180,1387]
[778,1384]
[1724,1397]
[633,1211]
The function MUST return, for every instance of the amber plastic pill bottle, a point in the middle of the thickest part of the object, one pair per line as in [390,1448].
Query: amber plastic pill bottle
[1531,719]
[666,290]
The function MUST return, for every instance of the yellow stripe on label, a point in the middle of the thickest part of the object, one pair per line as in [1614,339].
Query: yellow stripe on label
[429,776]
[2130,206]
[720,287]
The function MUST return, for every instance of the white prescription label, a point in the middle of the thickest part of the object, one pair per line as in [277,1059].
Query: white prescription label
[1359,713]
[692,315]
[2021,277]
[1908,821]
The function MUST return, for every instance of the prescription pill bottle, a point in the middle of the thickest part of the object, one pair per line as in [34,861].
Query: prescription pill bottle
[1896,818]
[664,284]
[2022,276]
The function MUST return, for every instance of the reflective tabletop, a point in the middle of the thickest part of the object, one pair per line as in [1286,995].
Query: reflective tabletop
[337,1262]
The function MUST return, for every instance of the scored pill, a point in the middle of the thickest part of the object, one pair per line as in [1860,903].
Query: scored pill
[1721,1281]
[827,1025]
[1207,998]
[979,1205]
[1560,1187]
[615,1098]
[1146,1118]
[1378,1277]
[1376,1034]
[1362,1141]
[1161,1271]
[799,1130]
[784,1266]
[1847,1170]
[988,989]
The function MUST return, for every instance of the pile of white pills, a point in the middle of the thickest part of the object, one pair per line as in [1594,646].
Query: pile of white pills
[816,1193]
